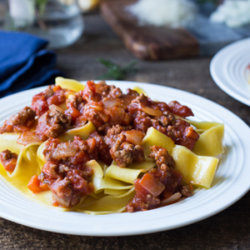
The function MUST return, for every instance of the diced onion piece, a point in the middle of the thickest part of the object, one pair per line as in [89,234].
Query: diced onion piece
[64,150]
[152,185]
[110,103]
[151,111]
[134,136]
[173,198]
[28,137]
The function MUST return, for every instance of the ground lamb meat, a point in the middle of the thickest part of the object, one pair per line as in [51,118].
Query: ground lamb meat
[165,174]
[94,112]
[75,105]
[164,170]
[9,160]
[65,171]
[51,95]
[124,144]
[22,121]
[124,153]
[161,157]
[187,190]
[77,151]
[142,200]
[105,106]
[52,123]
[100,150]
[68,193]
[63,193]
[167,119]
[108,91]
[179,109]
[57,151]
[147,113]
[142,121]
[96,92]
[113,133]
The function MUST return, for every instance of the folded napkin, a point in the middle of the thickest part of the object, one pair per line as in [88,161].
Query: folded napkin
[24,62]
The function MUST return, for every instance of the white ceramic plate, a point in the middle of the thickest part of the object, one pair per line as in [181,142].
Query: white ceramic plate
[230,184]
[229,70]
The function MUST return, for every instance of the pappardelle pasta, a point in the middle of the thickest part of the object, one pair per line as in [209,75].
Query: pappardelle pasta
[98,150]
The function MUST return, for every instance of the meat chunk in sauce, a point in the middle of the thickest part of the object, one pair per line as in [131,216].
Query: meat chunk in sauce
[124,144]
[8,160]
[161,157]
[68,191]
[147,113]
[22,121]
[99,149]
[52,95]
[65,171]
[164,173]
[52,123]
[106,106]
[181,110]
[180,131]
[75,105]
[121,121]
[124,153]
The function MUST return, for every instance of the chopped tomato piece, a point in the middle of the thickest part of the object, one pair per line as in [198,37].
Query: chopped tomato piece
[36,186]
[56,88]
[55,203]
[73,112]
[10,167]
[152,185]
[140,190]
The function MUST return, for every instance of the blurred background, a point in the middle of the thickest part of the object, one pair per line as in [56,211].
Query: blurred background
[168,42]
[211,24]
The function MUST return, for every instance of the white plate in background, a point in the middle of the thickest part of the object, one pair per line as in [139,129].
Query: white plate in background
[230,184]
[228,68]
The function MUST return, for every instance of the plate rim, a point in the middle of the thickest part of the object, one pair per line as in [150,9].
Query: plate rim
[217,79]
[146,230]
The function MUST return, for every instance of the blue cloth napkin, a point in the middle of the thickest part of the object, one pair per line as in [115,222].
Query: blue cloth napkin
[24,62]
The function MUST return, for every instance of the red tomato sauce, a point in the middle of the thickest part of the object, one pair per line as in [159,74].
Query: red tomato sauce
[121,121]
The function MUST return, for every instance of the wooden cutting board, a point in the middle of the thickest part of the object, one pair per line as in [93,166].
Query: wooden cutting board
[148,42]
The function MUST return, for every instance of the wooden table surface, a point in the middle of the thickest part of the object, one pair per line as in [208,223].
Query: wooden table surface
[229,229]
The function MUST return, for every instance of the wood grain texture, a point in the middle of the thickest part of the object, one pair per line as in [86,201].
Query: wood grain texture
[148,42]
[229,229]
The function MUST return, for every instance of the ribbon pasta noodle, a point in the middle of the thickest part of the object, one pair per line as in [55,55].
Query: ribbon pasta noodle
[96,150]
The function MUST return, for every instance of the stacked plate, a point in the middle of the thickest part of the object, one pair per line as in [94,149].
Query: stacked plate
[230,70]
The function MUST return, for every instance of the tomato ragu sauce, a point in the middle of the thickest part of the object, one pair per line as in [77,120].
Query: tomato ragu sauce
[121,121]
